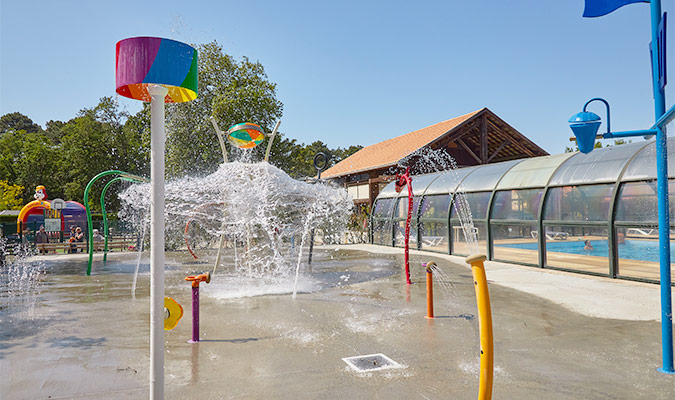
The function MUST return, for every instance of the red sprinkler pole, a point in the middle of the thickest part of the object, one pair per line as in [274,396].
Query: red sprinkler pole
[403,180]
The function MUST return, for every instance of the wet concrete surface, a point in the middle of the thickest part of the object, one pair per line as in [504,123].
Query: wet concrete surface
[87,337]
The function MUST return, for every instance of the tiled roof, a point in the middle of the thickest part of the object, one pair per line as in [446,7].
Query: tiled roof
[390,151]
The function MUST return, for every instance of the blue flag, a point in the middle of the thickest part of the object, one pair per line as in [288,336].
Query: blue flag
[598,8]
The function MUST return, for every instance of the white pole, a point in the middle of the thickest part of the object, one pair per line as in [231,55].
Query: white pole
[269,142]
[220,249]
[219,133]
[157,143]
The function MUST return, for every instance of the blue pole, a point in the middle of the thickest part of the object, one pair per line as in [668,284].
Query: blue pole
[664,254]
[662,193]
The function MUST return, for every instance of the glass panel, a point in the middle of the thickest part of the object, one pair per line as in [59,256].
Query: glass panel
[436,206]
[578,203]
[448,180]
[435,236]
[477,202]
[420,183]
[402,208]
[599,166]
[485,177]
[517,204]
[638,249]
[638,202]
[383,208]
[388,191]
[459,244]
[515,243]
[643,165]
[580,248]
[532,172]
[382,232]
[399,232]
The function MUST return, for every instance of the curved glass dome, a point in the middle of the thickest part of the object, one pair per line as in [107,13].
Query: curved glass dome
[643,166]
[590,213]
[601,165]
[419,184]
[532,172]
[448,181]
[486,176]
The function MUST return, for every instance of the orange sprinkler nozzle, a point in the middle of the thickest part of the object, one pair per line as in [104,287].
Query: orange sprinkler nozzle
[196,279]
[430,289]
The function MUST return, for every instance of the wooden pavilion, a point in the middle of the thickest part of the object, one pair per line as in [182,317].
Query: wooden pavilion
[479,137]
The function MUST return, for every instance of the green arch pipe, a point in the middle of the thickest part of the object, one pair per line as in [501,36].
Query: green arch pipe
[122,176]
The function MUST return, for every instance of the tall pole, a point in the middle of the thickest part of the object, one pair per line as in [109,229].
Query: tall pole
[157,144]
[662,194]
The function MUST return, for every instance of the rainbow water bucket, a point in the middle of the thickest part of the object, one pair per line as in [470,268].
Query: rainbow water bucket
[143,61]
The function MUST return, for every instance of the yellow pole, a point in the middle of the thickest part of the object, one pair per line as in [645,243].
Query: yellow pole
[484,325]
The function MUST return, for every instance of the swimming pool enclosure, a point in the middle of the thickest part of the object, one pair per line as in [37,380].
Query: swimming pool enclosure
[540,211]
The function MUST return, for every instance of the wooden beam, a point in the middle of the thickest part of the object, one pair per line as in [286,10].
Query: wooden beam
[500,148]
[525,149]
[468,150]
[483,140]
[517,137]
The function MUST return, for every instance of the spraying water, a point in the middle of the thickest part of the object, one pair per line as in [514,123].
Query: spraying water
[254,205]
[20,280]
[428,161]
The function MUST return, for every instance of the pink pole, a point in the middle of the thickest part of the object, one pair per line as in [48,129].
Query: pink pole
[407,227]
[402,180]
[195,315]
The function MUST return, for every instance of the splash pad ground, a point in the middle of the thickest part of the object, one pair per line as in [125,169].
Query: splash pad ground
[556,336]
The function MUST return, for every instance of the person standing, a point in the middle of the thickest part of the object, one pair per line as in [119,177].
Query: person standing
[79,236]
[41,237]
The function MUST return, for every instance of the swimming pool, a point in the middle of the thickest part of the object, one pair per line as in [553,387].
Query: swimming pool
[643,250]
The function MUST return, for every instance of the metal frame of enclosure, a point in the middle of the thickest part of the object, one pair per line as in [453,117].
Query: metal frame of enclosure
[608,196]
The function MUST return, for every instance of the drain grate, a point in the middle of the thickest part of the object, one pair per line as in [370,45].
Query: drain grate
[371,362]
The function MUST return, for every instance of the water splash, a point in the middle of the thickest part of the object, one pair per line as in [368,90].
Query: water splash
[138,260]
[20,279]
[424,161]
[256,206]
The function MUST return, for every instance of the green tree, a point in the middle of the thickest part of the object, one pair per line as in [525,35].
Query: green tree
[100,139]
[28,160]
[10,196]
[37,165]
[229,90]
[16,122]
[54,131]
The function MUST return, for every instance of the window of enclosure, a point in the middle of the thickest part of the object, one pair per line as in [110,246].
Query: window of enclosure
[476,234]
[517,204]
[470,205]
[402,207]
[399,234]
[434,236]
[578,203]
[638,251]
[383,208]
[578,247]
[515,242]
[638,202]
[382,232]
[436,206]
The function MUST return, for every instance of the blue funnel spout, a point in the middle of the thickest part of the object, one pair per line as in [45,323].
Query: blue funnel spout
[585,126]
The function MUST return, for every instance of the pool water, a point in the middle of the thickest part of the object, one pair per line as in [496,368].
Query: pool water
[643,250]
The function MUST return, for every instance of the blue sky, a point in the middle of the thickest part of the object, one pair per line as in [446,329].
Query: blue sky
[355,72]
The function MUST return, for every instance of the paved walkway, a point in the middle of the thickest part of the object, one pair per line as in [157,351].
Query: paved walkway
[73,336]
[586,294]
